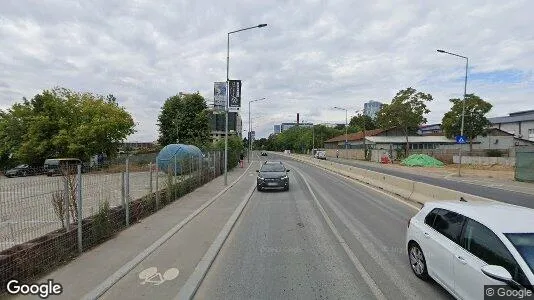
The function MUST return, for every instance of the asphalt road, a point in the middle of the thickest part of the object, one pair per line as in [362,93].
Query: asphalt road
[283,247]
[512,197]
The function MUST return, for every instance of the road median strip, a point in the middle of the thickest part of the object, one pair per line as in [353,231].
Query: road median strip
[411,190]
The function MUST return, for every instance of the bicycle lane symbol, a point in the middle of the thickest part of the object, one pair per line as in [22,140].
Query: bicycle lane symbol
[151,275]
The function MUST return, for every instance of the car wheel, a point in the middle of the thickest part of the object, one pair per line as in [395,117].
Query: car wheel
[417,261]
[24,174]
[259,188]
[286,188]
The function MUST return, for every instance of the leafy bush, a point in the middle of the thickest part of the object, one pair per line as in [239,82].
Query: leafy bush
[102,222]
[493,153]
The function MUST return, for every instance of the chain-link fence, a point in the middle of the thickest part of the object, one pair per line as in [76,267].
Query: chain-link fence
[39,215]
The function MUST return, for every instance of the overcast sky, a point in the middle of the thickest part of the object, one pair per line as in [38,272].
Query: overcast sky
[313,55]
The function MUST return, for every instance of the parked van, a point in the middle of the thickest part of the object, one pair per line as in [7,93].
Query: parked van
[58,166]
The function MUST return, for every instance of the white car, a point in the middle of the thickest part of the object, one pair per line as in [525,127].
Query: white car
[466,245]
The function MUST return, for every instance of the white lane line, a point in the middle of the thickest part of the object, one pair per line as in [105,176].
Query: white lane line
[369,243]
[359,266]
[194,281]
[127,267]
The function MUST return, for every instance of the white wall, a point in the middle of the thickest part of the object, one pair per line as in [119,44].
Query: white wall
[514,128]
[494,142]
[481,160]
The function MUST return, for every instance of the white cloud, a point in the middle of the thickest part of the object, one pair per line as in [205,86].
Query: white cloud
[313,55]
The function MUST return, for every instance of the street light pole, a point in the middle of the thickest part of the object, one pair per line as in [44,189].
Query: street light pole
[463,104]
[313,137]
[346,141]
[250,130]
[364,144]
[228,98]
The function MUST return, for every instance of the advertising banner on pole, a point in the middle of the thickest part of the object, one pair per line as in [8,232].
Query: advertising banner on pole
[219,96]
[234,90]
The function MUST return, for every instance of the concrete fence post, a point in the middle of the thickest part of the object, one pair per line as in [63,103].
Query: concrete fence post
[66,199]
[157,185]
[151,187]
[123,201]
[127,191]
[80,209]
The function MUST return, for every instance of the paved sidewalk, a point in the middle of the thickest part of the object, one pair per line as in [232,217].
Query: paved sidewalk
[90,269]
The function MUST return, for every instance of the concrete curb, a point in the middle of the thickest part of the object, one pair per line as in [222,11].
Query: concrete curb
[126,268]
[195,280]
[417,192]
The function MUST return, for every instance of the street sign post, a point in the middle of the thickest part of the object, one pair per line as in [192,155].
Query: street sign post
[234,88]
[461,139]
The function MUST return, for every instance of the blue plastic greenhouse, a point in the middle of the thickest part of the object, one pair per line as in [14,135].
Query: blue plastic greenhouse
[178,159]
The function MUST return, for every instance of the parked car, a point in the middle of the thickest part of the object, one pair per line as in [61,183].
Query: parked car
[22,171]
[263,153]
[59,166]
[320,155]
[272,175]
[465,245]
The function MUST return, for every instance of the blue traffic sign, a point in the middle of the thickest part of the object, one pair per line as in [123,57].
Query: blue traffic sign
[461,139]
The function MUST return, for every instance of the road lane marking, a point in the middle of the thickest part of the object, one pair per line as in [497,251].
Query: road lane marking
[127,267]
[151,275]
[368,241]
[194,281]
[359,266]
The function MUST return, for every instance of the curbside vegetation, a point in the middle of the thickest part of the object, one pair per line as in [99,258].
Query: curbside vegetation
[31,260]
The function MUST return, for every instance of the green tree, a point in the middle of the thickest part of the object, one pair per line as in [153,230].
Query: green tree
[235,148]
[405,112]
[475,121]
[184,119]
[362,122]
[340,126]
[62,123]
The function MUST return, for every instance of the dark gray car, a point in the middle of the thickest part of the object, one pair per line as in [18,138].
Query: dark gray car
[272,175]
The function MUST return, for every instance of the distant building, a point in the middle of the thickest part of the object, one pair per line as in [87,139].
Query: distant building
[431,129]
[520,124]
[217,125]
[371,108]
[277,129]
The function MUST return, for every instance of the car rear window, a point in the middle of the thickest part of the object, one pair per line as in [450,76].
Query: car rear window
[273,168]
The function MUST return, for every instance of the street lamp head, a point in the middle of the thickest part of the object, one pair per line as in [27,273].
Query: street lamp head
[441,51]
[262,25]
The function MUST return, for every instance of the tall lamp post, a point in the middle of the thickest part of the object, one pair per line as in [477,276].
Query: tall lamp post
[463,103]
[250,129]
[346,116]
[228,98]
[364,144]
